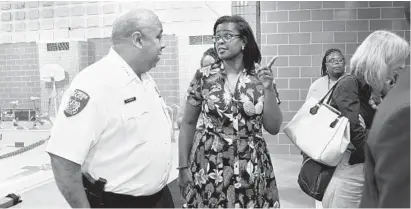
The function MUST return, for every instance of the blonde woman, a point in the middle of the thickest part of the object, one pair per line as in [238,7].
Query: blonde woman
[373,70]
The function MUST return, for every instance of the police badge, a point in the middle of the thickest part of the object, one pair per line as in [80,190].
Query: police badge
[77,102]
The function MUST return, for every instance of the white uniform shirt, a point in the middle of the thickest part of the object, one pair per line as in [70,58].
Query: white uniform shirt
[122,134]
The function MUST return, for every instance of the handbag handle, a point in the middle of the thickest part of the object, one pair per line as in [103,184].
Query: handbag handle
[314,109]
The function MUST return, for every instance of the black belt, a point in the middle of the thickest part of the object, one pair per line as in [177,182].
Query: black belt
[98,198]
[111,200]
[125,197]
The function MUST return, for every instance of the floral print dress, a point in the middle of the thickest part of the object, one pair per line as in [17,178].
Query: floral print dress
[230,163]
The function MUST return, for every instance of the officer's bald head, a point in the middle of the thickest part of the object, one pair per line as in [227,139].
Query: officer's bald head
[131,21]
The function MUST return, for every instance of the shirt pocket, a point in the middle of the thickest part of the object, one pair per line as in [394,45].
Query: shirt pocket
[136,110]
[135,116]
[134,106]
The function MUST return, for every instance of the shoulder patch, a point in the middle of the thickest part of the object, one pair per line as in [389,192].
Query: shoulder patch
[77,102]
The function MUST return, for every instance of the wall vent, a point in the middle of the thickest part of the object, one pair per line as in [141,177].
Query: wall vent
[62,46]
[200,40]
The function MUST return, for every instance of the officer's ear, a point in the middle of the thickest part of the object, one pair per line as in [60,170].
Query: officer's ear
[136,37]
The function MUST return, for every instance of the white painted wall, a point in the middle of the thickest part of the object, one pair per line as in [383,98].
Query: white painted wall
[49,21]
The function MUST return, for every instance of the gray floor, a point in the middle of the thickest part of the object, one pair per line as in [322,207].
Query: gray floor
[286,170]
[46,195]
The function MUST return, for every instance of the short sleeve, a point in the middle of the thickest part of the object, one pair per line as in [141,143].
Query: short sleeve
[77,127]
[194,92]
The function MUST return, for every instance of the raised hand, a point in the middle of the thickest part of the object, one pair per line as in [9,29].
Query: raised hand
[265,74]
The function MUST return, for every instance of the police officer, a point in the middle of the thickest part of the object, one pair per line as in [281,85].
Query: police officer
[112,124]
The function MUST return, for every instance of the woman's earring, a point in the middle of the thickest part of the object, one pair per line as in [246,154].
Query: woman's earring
[242,48]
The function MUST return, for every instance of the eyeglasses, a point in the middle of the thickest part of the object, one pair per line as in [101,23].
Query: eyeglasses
[226,37]
[335,61]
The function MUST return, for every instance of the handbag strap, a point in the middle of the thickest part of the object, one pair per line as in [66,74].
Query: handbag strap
[314,109]
[331,91]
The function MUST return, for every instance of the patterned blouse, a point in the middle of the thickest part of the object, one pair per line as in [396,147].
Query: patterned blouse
[230,163]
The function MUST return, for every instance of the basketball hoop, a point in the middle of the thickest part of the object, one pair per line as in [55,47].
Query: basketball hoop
[52,73]
[49,71]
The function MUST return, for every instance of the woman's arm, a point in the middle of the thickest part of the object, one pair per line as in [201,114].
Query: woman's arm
[189,120]
[187,130]
[347,100]
[272,116]
[180,114]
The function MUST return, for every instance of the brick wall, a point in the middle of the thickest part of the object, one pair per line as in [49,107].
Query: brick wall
[19,75]
[98,48]
[248,10]
[91,22]
[72,60]
[166,73]
[301,32]
[84,54]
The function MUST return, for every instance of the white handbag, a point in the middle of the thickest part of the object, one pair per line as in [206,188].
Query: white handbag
[320,131]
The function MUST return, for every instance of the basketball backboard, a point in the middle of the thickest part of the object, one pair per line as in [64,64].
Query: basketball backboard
[49,71]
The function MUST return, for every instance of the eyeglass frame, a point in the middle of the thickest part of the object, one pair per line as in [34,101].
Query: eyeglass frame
[215,40]
[334,62]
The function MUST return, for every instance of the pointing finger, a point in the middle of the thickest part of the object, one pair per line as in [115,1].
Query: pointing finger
[272,62]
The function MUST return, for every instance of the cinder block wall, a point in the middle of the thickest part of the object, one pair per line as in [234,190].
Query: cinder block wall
[301,31]
[19,75]
[98,48]
[25,23]
[248,10]
[165,74]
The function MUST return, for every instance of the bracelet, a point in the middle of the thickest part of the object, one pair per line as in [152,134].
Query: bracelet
[277,95]
[182,167]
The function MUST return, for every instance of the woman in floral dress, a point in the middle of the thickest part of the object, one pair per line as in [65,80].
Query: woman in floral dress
[230,166]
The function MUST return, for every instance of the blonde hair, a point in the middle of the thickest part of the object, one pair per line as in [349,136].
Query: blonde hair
[374,58]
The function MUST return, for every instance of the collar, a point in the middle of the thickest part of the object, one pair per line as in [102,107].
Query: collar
[130,75]
[221,66]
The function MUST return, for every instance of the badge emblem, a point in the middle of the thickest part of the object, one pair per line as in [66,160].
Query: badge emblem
[77,102]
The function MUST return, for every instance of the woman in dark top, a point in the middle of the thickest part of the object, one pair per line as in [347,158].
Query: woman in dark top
[373,68]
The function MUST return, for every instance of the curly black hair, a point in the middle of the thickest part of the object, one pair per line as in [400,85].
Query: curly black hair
[323,66]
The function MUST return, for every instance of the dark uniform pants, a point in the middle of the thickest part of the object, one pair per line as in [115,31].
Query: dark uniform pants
[161,199]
